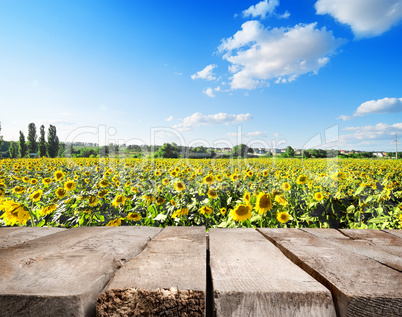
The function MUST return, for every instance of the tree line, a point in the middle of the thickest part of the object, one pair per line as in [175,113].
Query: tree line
[33,146]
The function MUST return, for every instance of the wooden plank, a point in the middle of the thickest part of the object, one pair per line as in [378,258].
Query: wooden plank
[360,285]
[12,236]
[63,276]
[330,234]
[251,277]
[397,233]
[168,278]
[375,244]
[375,236]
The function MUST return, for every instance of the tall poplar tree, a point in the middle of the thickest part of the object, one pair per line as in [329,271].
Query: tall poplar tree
[23,146]
[42,142]
[52,141]
[32,145]
[13,150]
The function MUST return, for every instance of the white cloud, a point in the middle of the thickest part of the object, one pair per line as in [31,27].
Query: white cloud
[369,132]
[385,105]
[169,119]
[264,8]
[198,119]
[209,92]
[367,18]
[258,54]
[206,73]
[345,118]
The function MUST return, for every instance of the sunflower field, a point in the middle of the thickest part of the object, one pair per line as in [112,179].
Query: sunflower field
[292,193]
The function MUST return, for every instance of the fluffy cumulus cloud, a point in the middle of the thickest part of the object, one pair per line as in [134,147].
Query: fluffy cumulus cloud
[367,18]
[206,73]
[385,105]
[258,54]
[198,119]
[263,9]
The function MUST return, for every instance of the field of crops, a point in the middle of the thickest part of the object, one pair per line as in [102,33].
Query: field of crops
[313,193]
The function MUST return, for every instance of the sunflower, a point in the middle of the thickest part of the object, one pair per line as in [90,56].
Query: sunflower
[114,223]
[119,200]
[25,179]
[318,196]
[134,216]
[286,186]
[265,173]
[48,210]
[35,196]
[241,212]
[223,210]
[302,179]
[206,210]
[283,217]
[47,181]
[134,189]
[69,185]
[172,202]
[102,193]
[209,179]
[279,199]
[157,173]
[92,200]
[165,181]
[263,203]
[234,177]
[19,190]
[179,186]
[247,197]
[212,193]
[2,193]
[59,175]
[60,193]
[180,212]
[160,200]
[14,213]
[104,183]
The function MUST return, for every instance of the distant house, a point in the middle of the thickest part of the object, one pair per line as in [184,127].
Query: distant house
[276,151]
[378,154]
[33,155]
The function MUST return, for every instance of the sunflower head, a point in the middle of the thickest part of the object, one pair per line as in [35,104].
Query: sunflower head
[134,216]
[318,196]
[60,193]
[179,186]
[283,217]
[241,212]
[206,210]
[263,203]
[212,193]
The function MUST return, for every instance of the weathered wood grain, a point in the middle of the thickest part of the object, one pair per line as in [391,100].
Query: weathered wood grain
[64,274]
[251,277]
[397,233]
[10,236]
[360,285]
[168,278]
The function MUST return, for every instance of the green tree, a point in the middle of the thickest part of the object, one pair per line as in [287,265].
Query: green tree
[290,152]
[32,136]
[240,150]
[305,154]
[42,142]
[13,150]
[52,141]
[23,146]
[168,150]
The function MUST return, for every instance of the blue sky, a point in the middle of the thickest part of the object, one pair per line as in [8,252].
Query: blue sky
[273,73]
